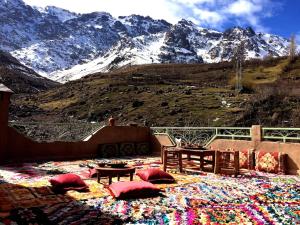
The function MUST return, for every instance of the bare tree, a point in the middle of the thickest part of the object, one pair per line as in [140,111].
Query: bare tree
[292,48]
[238,59]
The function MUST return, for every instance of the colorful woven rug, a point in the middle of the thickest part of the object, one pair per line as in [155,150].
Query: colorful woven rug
[255,198]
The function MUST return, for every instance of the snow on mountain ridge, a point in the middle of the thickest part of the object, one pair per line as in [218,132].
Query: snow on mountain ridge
[64,46]
[142,54]
[62,14]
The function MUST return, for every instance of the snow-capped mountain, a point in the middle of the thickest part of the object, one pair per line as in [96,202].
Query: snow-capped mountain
[62,14]
[63,46]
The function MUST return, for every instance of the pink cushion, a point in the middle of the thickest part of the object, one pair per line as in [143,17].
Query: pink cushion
[67,182]
[133,189]
[155,175]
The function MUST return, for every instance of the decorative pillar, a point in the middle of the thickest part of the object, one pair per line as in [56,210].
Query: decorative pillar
[111,121]
[5,94]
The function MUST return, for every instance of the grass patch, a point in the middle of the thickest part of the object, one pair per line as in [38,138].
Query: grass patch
[59,104]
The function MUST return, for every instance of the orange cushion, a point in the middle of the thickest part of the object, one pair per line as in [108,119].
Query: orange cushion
[271,162]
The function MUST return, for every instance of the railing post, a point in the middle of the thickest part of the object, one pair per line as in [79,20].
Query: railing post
[256,135]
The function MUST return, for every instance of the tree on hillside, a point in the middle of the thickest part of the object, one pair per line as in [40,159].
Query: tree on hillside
[238,59]
[292,48]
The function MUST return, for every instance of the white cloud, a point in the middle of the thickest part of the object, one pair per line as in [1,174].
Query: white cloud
[211,13]
[298,41]
[250,12]
[243,7]
[193,2]
[208,17]
[158,9]
[298,38]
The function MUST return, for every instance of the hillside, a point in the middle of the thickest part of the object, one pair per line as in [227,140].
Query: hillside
[20,78]
[176,95]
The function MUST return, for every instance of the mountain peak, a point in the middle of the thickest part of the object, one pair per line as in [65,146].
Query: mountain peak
[99,14]
[53,40]
[239,32]
[62,14]
[186,22]
[250,30]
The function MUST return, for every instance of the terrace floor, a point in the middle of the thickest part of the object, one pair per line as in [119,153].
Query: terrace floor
[205,198]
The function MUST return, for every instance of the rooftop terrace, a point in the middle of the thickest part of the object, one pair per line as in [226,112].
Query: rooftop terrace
[205,198]
[196,197]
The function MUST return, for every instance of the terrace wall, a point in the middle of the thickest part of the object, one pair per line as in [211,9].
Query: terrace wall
[21,148]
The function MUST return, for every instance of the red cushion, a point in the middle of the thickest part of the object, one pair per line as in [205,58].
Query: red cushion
[67,182]
[133,189]
[271,162]
[155,175]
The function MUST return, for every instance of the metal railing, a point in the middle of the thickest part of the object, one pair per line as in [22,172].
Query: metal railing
[204,135]
[79,130]
[281,134]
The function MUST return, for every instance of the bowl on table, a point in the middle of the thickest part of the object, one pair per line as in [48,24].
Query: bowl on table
[101,164]
[117,164]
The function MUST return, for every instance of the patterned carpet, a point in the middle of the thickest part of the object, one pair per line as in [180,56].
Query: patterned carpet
[255,198]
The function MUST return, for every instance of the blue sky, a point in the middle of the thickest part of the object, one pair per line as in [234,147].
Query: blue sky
[286,19]
[274,16]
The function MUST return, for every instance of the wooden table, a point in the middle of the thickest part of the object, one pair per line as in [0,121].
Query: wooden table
[201,153]
[114,172]
[191,148]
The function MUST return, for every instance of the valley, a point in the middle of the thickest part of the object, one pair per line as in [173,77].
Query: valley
[174,95]
[72,68]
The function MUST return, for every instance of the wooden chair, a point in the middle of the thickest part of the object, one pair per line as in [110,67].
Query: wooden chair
[165,142]
[169,154]
[227,162]
[172,158]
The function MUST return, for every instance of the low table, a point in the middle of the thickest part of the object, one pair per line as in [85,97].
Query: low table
[187,149]
[114,172]
[199,153]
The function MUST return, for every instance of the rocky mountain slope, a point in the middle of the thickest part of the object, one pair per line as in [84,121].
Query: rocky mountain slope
[64,46]
[20,78]
[175,95]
